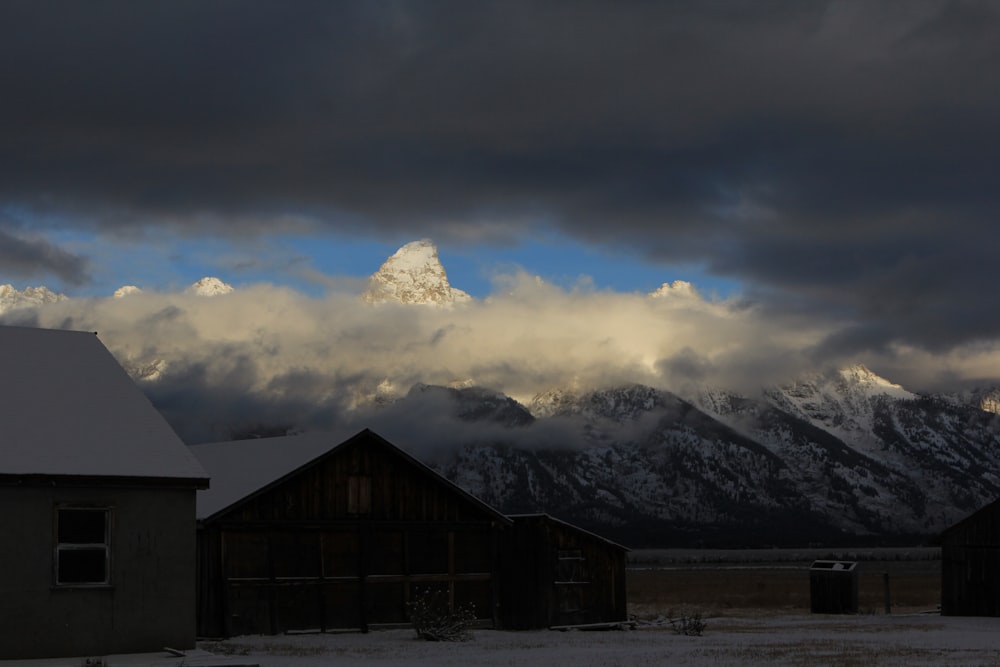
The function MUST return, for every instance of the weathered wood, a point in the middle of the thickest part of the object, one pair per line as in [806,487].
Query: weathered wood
[349,539]
[556,574]
[346,542]
[611,625]
[970,565]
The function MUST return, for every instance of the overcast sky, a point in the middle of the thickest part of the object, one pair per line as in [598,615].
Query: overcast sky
[828,164]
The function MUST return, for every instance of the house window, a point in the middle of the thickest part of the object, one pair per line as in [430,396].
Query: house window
[83,546]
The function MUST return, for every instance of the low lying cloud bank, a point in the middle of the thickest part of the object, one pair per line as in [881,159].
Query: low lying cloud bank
[265,357]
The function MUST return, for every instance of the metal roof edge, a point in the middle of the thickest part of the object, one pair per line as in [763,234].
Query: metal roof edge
[57,479]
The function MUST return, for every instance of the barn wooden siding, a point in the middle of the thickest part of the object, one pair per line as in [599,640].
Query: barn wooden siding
[970,565]
[346,542]
[557,574]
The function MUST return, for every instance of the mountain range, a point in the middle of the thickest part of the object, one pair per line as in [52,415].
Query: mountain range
[33,297]
[835,456]
[29,297]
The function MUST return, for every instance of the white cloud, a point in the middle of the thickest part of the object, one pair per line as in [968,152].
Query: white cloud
[266,345]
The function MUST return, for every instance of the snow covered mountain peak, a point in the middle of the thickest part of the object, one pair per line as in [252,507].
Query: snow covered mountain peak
[11,298]
[989,401]
[125,290]
[413,275]
[873,384]
[847,403]
[209,286]
[675,290]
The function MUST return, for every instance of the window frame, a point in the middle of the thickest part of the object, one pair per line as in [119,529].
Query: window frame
[59,548]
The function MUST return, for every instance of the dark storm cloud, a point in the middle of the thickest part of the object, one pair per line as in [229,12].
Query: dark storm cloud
[37,258]
[835,154]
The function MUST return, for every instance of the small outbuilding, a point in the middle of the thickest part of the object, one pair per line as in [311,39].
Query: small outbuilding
[557,574]
[833,587]
[970,565]
[97,500]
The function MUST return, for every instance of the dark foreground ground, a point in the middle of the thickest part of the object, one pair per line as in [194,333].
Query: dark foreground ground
[765,640]
[754,607]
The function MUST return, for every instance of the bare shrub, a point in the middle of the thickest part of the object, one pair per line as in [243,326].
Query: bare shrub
[435,620]
[691,626]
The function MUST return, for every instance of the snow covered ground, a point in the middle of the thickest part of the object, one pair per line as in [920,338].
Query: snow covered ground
[760,640]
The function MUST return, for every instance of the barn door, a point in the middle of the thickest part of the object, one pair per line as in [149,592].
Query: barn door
[281,581]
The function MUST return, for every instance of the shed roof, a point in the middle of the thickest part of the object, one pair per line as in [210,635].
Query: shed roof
[243,468]
[987,513]
[541,516]
[67,408]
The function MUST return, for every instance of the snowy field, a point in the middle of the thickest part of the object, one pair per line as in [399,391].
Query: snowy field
[762,640]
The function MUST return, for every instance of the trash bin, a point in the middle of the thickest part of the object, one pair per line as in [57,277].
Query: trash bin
[833,587]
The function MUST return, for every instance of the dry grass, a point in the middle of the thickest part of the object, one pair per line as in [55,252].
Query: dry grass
[769,588]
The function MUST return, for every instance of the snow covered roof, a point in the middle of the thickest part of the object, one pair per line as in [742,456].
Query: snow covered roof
[68,408]
[241,468]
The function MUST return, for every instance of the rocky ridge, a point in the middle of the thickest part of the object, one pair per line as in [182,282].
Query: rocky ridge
[413,275]
[649,467]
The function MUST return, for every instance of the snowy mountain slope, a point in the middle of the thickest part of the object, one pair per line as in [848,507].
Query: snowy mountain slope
[843,402]
[640,462]
[474,404]
[29,297]
[883,456]
[677,471]
[984,398]
[413,275]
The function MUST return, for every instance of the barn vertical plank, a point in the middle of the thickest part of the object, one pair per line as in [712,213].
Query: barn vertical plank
[455,541]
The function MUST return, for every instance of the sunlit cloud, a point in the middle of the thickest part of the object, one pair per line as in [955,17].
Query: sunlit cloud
[320,359]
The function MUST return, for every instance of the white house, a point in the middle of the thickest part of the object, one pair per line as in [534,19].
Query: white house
[97,505]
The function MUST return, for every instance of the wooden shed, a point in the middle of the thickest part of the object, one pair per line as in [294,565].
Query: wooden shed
[300,534]
[97,506]
[556,574]
[970,565]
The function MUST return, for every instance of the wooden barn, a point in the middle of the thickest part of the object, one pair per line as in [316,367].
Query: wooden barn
[557,574]
[97,506]
[970,565]
[297,534]
[300,535]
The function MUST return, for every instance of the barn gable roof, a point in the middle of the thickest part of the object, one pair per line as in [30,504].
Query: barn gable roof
[243,469]
[68,409]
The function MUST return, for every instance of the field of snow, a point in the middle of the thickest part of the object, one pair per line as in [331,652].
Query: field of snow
[761,640]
